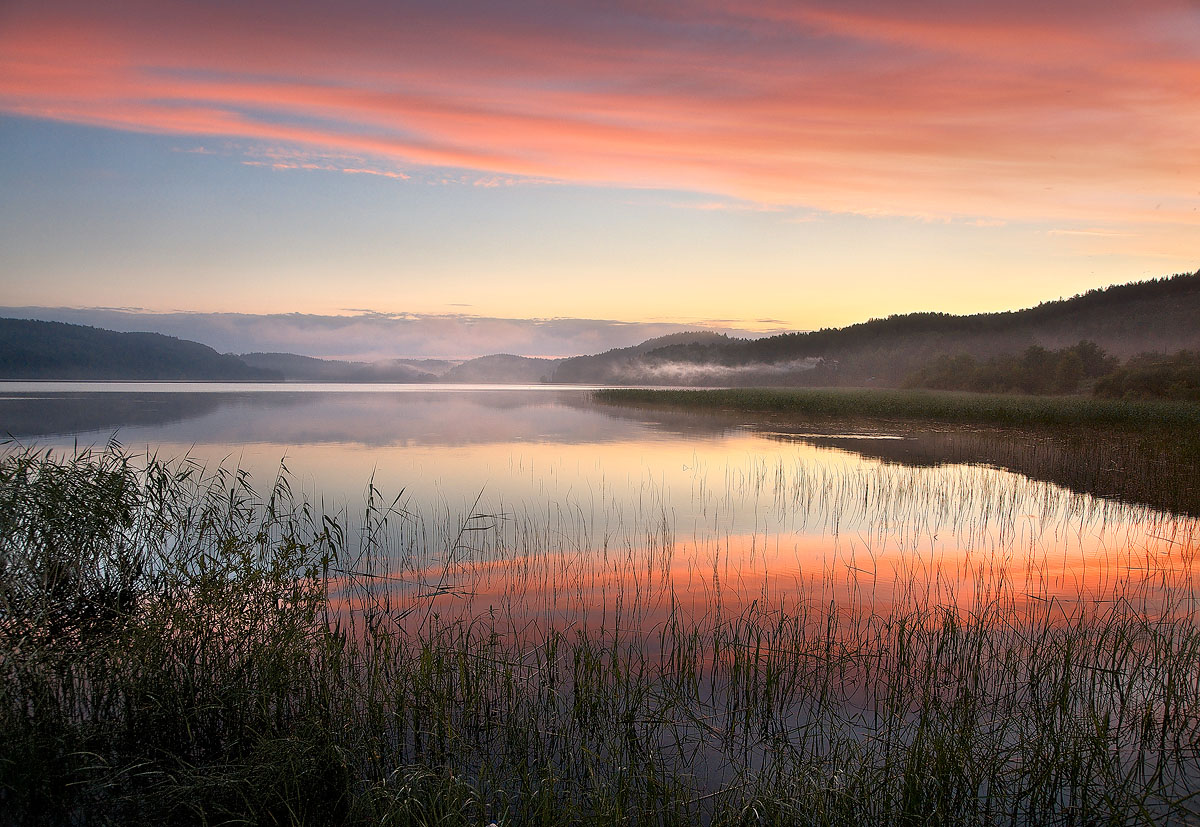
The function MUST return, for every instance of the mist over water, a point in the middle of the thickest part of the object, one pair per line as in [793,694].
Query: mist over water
[544,478]
[713,373]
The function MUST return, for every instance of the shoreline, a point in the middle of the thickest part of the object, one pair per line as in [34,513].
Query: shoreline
[956,407]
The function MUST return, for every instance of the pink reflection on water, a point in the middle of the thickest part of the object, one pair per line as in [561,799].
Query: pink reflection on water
[650,592]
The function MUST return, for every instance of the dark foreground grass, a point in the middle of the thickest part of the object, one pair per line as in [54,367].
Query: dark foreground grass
[942,406]
[177,648]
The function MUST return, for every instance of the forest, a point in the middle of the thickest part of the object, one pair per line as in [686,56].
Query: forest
[1155,316]
[57,351]
[1080,368]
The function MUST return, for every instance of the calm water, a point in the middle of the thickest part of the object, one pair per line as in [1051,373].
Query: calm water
[559,509]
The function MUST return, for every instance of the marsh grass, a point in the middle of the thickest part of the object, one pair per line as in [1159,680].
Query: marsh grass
[177,647]
[1144,451]
[943,406]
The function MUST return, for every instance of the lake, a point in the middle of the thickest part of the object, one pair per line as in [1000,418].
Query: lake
[734,511]
[623,608]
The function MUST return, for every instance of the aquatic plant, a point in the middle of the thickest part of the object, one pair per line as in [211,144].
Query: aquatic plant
[176,646]
[943,406]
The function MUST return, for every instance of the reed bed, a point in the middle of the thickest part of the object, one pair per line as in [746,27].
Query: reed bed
[942,406]
[836,644]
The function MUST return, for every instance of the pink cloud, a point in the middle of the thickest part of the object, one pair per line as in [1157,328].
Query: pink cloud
[1002,110]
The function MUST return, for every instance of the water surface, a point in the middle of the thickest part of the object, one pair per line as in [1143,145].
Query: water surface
[561,509]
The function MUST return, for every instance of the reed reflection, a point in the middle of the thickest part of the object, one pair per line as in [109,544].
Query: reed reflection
[725,610]
[854,540]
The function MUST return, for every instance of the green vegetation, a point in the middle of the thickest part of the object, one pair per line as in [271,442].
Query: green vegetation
[1155,376]
[941,406]
[1138,450]
[1041,371]
[1037,370]
[177,648]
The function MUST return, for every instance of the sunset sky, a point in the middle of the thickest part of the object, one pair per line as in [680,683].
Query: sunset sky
[751,166]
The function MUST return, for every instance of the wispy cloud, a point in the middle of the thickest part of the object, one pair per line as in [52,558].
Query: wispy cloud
[1005,110]
[290,158]
[400,176]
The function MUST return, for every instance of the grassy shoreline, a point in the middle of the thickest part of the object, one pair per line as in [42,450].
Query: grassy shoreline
[922,405]
[176,647]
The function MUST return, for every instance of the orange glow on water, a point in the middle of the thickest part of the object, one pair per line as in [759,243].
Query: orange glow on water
[644,592]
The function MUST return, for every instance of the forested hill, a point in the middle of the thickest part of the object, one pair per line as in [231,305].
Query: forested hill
[1157,315]
[614,365]
[54,350]
[291,366]
[502,368]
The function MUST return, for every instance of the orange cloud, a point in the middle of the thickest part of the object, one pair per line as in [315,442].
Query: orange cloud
[1011,111]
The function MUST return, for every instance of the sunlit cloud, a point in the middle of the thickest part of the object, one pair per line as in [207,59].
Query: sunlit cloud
[383,173]
[999,111]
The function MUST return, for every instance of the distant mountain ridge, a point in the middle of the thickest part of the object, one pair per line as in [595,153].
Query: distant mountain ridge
[39,350]
[310,369]
[60,351]
[1156,315]
[500,368]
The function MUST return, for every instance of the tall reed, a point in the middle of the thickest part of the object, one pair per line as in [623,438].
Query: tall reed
[179,647]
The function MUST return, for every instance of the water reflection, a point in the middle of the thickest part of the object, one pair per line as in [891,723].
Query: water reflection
[260,424]
[864,539]
[442,447]
[25,416]
[1143,470]
[280,414]
[734,593]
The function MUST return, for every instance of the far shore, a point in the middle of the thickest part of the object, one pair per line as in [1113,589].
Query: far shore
[925,405]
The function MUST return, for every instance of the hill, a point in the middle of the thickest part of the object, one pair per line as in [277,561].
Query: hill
[1156,315]
[624,364]
[502,368]
[55,350]
[310,369]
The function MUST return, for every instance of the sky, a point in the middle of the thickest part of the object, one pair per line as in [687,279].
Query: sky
[614,168]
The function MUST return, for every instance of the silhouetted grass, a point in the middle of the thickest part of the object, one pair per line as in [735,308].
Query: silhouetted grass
[176,647]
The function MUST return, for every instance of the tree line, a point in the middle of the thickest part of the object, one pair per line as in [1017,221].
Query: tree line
[1154,315]
[1074,369]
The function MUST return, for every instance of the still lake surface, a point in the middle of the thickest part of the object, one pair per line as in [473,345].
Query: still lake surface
[533,582]
[559,510]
